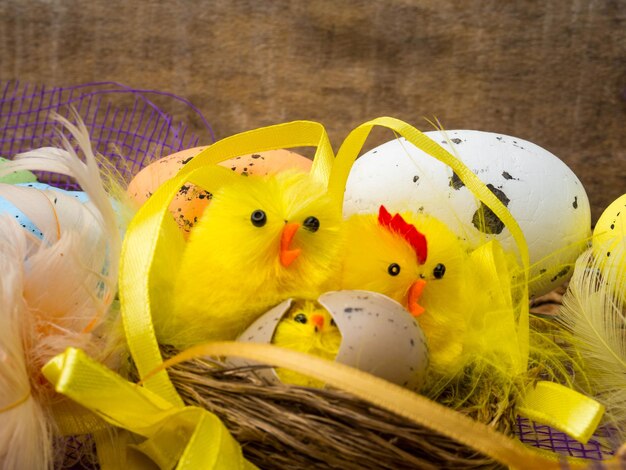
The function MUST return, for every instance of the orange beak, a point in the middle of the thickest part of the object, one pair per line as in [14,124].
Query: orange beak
[288,256]
[318,321]
[415,292]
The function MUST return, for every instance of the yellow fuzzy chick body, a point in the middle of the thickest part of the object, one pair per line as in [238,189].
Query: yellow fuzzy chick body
[307,328]
[261,240]
[381,260]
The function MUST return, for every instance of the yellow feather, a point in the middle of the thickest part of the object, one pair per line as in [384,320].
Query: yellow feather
[231,270]
[299,331]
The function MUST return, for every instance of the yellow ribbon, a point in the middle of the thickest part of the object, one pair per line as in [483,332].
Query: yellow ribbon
[183,438]
[563,409]
[280,136]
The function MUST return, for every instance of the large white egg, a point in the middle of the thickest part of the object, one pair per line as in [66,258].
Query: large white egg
[541,192]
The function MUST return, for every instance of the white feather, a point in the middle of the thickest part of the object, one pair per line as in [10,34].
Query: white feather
[594,311]
[55,292]
[24,433]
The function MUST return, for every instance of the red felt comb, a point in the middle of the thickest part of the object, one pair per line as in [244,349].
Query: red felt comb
[407,231]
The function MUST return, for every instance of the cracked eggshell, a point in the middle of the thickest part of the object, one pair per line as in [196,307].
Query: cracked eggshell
[378,336]
[544,196]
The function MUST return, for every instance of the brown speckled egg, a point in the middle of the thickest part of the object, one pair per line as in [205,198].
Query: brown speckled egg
[190,202]
[378,336]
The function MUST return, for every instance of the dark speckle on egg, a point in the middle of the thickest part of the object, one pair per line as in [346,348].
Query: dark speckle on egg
[484,219]
[416,178]
[187,160]
[455,182]
[456,141]
[575,203]
[561,273]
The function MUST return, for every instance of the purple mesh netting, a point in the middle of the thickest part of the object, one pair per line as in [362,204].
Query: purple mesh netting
[125,124]
[599,447]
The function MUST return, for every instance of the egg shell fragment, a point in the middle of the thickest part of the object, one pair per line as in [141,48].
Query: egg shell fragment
[543,195]
[190,202]
[378,336]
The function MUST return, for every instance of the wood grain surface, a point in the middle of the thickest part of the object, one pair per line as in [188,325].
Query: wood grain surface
[552,72]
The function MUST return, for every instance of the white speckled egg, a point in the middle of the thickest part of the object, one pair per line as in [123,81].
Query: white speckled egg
[541,192]
[378,336]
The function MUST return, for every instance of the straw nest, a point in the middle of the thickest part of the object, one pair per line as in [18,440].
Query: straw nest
[289,427]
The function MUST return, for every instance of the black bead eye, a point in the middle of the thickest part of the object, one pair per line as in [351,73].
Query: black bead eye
[393,269]
[258,218]
[300,318]
[439,271]
[312,224]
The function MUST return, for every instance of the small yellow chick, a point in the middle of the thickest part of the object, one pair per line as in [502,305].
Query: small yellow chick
[307,328]
[419,262]
[261,240]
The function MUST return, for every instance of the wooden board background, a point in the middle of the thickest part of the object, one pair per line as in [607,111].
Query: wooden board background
[552,72]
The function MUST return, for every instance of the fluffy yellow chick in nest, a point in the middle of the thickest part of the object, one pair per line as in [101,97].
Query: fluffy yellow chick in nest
[307,328]
[419,262]
[261,240]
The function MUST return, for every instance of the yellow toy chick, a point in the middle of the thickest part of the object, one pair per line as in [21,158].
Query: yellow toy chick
[307,328]
[419,262]
[261,240]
